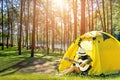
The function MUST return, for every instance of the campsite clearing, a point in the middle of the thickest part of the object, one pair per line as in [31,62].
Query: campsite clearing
[41,67]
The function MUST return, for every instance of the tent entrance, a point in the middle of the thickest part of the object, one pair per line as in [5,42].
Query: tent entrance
[87,45]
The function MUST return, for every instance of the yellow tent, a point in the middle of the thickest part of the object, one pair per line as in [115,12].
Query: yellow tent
[102,47]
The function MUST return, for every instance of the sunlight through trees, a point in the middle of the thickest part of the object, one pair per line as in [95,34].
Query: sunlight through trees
[54,24]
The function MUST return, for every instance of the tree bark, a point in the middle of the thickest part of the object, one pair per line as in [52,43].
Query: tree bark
[47,48]
[83,16]
[33,31]
[75,18]
[103,5]
[107,19]
[88,15]
[8,29]
[99,13]
[27,24]
[111,16]
[20,32]
[52,30]
[2,27]
[12,26]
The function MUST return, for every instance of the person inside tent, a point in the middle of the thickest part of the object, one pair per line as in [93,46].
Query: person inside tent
[81,66]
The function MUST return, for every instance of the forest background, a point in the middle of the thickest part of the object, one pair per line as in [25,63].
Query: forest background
[34,34]
[55,24]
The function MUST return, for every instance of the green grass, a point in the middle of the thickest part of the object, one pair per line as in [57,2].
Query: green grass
[10,57]
[53,77]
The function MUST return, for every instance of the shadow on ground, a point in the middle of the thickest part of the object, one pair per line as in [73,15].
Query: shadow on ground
[43,64]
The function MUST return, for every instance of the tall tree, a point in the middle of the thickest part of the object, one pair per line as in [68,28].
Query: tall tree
[75,18]
[83,3]
[12,21]
[92,26]
[8,19]
[37,28]
[61,15]
[64,21]
[52,30]
[104,21]
[88,3]
[20,32]
[24,23]
[47,27]
[33,30]
[2,27]
[107,19]
[27,24]
[111,16]
[99,12]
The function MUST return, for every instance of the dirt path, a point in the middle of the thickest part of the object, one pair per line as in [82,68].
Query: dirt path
[43,68]
[44,65]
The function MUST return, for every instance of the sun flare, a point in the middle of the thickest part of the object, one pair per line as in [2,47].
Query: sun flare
[58,3]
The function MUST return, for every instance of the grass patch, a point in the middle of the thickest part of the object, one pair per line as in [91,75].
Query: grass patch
[10,57]
[31,77]
[53,77]
[10,66]
[11,62]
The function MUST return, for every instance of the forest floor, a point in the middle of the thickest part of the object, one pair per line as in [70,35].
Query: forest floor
[41,63]
[40,67]
[43,66]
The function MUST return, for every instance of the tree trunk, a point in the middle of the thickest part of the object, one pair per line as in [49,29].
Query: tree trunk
[33,31]
[12,26]
[83,16]
[27,25]
[20,34]
[2,27]
[111,16]
[47,48]
[89,15]
[61,15]
[104,28]
[92,26]
[99,13]
[75,18]
[64,29]
[52,30]
[37,29]
[8,29]
[107,19]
